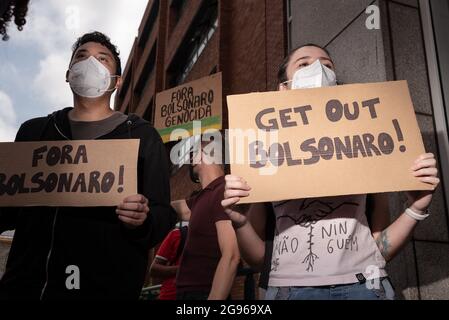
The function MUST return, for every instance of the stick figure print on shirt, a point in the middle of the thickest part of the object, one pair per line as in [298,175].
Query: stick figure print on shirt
[310,212]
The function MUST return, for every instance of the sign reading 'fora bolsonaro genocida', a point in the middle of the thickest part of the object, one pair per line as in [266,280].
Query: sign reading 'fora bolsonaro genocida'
[179,107]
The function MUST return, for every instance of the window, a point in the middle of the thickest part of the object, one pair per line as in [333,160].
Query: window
[125,85]
[213,71]
[176,8]
[148,114]
[149,24]
[200,45]
[147,71]
[289,23]
[197,37]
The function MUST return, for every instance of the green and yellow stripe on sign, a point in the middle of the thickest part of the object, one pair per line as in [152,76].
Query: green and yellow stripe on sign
[206,124]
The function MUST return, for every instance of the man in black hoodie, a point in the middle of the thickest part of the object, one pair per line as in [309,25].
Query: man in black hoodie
[108,246]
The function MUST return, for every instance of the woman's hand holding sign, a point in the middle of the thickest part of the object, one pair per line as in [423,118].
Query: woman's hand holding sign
[425,170]
[243,217]
[235,189]
[133,211]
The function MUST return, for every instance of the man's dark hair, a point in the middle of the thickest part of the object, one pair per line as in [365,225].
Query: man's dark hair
[102,39]
[282,73]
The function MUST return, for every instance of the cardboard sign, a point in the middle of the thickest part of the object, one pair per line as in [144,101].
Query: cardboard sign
[68,173]
[178,108]
[351,139]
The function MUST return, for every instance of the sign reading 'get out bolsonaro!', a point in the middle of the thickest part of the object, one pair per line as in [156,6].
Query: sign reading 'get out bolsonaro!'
[179,107]
[322,142]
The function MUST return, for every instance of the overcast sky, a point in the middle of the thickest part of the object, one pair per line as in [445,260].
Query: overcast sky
[33,62]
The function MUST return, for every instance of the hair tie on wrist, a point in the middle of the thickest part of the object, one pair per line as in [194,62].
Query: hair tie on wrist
[418,217]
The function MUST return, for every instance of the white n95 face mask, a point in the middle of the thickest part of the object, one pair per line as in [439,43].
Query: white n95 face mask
[314,76]
[90,78]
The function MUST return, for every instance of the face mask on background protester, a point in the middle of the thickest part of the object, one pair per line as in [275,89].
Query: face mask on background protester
[90,78]
[193,176]
[314,76]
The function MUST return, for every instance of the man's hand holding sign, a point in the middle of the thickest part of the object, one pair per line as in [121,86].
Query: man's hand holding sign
[133,210]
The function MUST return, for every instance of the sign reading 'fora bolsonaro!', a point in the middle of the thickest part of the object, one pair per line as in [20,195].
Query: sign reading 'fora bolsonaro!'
[179,107]
[83,173]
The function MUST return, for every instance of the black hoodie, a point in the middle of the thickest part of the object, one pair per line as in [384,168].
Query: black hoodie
[112,259]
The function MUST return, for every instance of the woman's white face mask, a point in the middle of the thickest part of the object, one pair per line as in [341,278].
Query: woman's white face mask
[90,78]
[314,76]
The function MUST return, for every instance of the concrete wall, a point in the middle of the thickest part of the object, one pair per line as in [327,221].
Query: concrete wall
[395,52]
[427,257]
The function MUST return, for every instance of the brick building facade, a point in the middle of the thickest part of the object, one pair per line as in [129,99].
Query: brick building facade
[181,40]
[244,40]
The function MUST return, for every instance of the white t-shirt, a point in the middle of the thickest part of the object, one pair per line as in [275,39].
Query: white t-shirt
[323,241]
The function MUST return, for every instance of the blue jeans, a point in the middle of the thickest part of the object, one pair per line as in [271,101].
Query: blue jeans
[355,291]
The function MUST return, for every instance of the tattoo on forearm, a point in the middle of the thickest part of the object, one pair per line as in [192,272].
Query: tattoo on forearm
[384,244]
